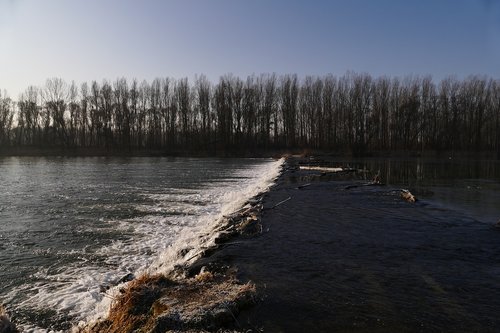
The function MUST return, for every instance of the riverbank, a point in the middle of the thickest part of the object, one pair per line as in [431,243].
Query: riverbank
[237,152]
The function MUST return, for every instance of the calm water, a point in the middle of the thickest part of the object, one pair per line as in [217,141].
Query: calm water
[363,260]
[469,186]
[71,225]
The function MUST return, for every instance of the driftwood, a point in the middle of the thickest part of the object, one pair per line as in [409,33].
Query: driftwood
[318,168]
[376,181]
[254,202]
[348,187]
[281,202]
[326,170]
[244,211]
[407,196]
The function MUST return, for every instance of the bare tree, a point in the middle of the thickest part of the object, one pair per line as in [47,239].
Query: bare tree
[55,96]
[353,112]
[28,116]
[289,104]
[202,93]
[6,119]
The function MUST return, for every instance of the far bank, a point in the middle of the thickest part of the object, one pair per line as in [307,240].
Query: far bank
[257,153]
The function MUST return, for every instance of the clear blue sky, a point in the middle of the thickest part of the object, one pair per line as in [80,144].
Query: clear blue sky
[83,40]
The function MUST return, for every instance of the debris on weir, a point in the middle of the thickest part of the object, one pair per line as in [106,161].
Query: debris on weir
[407,196]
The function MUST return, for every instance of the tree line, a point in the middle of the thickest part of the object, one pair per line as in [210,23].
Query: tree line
[353,112]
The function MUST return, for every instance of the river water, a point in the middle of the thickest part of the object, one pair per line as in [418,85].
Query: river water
[69,226]
[339,256]
[469,186]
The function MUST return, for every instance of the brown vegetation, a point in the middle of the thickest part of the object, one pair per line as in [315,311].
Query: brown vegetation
[6,326]
[208,301]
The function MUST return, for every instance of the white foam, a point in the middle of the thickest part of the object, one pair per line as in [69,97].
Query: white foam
[154,247]
[230,199]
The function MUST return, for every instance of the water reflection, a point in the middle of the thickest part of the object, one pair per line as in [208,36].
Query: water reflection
[470,186]
[363,260]
[415,172]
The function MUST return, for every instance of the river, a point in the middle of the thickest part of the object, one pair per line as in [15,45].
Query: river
[71,226]
[339,256]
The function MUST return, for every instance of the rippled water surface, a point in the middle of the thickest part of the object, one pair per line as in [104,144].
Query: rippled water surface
[338,258]
[68,226]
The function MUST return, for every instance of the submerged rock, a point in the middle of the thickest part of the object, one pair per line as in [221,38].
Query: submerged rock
[126,278]
[250,226]
[407,196]
[225,236]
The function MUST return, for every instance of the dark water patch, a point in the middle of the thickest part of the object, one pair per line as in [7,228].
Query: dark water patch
[363,260]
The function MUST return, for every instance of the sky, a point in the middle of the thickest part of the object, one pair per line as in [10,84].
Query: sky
[85,40]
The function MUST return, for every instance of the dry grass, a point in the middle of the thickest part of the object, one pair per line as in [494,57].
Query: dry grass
[205,276]
[131,309]
[5,324]
[156,304]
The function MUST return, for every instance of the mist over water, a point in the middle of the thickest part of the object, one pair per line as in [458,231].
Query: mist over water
[71,225]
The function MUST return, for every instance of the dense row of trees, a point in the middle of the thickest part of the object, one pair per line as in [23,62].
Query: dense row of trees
[354,111]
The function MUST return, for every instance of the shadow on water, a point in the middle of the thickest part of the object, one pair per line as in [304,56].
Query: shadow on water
[363,260]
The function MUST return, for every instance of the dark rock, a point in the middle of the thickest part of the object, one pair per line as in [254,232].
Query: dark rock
[126,278]
[168,321]
[407,196]
[223,237]
[184,251]
[221,316]
[250,227]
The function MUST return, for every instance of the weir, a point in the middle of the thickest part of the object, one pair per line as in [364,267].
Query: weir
[112,218]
